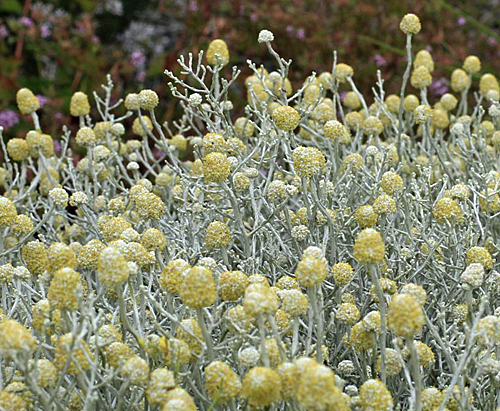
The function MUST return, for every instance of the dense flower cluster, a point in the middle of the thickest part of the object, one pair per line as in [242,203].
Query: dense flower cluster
[317,253]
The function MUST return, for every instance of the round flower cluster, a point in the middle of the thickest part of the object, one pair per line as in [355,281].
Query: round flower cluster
[312,269]
[369,247]
[391,183]
[79,105]
[261,386]
[342,273]
[308,161]
[217,235]
[259,299]
[473,276]
[26,101]
[286,118]
[63,290]
[405,315]
[446,210]
[265,36]
[112,267]
[410,24]
[479,255]
[171,275]
[336,131]
[216,168]
[293,302]
[374,395]
[218,53]
[15,339]
[366,216]
[232,285]
[148,99]
[343,72]
[197,288]
[221,382]
[137,371]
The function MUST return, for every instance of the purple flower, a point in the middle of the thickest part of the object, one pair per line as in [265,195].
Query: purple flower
[301,34]
[253,16]
[290,30]
[141,75]
[158,154]
[138,59]
[45,31]
[428,48]
[492,41]
[379,60]
[57,145]
[3,32]
[81,29]
[342,95]
[461,21]
[193,6]
[8,118]
[439,87]
[42,99]
[27,22]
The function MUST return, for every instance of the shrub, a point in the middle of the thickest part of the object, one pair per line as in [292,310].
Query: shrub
[314,253]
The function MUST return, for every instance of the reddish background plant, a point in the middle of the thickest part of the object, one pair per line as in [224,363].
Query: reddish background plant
[56,48]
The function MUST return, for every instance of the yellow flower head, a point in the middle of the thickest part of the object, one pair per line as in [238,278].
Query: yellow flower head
[369,247]
[218,53]
[286,118]
[405,315]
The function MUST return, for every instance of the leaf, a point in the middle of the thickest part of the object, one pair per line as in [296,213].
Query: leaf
[11,6]
[88,5]
[382,45]
[157,65]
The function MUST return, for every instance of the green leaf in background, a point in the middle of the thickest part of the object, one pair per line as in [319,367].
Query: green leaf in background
[36,84]
[11,6]
[157,65]
[476,23]
[88,5]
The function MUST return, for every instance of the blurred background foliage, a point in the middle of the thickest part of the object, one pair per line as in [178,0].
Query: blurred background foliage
[57,47]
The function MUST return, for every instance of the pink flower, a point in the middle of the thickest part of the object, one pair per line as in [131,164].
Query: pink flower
[80,29]
[461,21]
[26,21]
[57,145]
[158,154]
[42,99]
[492,41]
[379,60]
[439,87]
[301,34]
[138,59]
[3,32]
[45,31]
[8,118]
[141,76]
